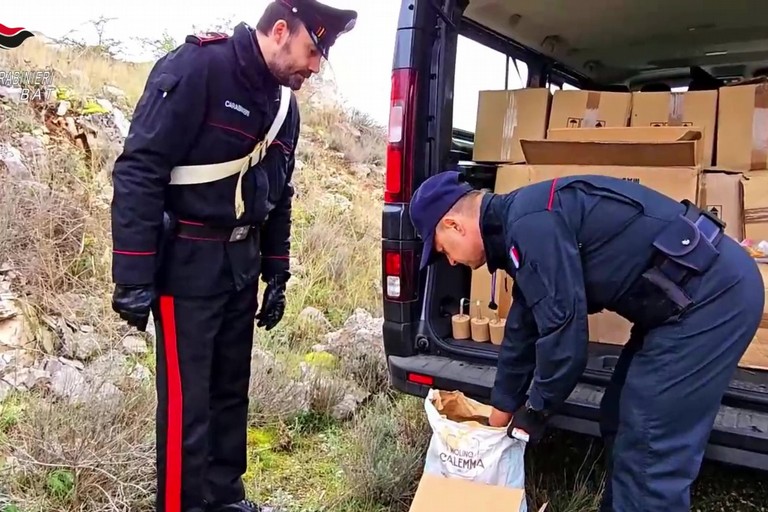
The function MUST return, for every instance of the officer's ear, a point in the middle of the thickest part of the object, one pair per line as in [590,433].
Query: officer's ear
[451,223]
[280,32]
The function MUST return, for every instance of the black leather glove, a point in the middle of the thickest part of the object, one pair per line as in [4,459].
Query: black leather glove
[273,304]
[133,304]
[531,421]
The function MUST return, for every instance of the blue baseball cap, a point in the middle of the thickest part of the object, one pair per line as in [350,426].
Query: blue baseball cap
[433,199]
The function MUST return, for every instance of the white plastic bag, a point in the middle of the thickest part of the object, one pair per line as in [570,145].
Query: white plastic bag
[464,446]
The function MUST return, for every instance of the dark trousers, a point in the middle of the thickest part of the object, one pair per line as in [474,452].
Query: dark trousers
[203,373]
[658,412]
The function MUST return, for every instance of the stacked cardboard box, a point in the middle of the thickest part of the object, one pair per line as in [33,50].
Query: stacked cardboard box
[742,146]
[707,146]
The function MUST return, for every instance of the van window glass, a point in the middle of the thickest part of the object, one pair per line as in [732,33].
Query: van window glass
[479,68]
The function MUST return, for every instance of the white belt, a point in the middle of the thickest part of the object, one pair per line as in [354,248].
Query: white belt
[196,174]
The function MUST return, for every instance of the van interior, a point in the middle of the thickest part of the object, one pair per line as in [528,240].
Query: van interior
[643,45]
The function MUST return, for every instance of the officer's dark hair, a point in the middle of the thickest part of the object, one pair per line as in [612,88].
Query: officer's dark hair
[275,12]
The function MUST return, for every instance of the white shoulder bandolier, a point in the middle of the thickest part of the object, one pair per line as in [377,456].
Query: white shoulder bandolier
[196,174]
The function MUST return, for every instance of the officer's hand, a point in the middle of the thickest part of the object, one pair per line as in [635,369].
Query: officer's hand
[527,423]
[499,418]
[133,304]
[273,304]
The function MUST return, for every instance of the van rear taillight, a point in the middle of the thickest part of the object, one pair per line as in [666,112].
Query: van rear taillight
[399,275]
[425,380]
[400,137]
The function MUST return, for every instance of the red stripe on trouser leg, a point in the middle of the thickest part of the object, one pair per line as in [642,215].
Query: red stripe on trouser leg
[175,402]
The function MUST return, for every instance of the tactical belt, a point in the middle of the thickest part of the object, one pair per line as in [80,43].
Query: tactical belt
[685,248]
[194,231]
[196,174]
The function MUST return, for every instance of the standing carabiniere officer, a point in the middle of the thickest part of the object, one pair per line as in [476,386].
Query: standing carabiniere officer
[201,208]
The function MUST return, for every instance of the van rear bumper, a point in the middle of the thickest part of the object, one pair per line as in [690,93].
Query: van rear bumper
[739,436]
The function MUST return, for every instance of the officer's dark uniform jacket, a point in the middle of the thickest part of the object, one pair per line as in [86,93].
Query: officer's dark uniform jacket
[208,101]
[576,246]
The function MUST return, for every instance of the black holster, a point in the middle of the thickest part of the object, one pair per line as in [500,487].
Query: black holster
[163,239]
[685,248]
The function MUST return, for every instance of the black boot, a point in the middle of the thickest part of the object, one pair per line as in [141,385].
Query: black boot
[242,506]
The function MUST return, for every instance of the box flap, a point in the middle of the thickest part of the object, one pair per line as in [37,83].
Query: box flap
[748,81]
[627,134]
[436,492]
[679,153]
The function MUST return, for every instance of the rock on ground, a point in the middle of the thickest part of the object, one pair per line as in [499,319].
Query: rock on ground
[134,345]
[314,317]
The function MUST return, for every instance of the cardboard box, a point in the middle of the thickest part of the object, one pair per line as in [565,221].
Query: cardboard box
[756,356]
[742,127]
[722,194]
[610,328]
[675,153]
[511,177]
[437,493]
[590,109]
[633,134]
[755,187]
[506,116]
[481,290]
[679,109]
[676,182]
[667,167]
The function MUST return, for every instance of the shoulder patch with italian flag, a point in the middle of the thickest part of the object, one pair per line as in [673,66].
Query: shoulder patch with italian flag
[515,256]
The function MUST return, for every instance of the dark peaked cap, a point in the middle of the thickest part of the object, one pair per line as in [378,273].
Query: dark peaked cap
[324,23]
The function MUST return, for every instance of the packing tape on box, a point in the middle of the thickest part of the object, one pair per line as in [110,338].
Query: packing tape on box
[508,128]
[703,196]
[755,216]
[675,117]
[593,108]
[760,129]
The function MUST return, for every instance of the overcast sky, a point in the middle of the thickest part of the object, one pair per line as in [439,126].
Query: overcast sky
[361,60]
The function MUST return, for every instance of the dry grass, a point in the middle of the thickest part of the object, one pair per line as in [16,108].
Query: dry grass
[337,244]
[77,458]
[349,132]
[386,454]
[54,233]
